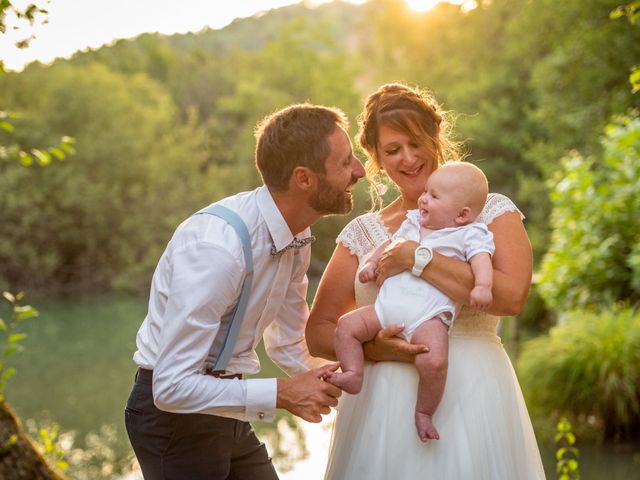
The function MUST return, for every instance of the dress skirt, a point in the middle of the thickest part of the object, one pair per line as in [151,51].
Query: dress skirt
[485,430]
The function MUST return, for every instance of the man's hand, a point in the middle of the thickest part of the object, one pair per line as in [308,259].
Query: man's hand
[387,345]
[307,395]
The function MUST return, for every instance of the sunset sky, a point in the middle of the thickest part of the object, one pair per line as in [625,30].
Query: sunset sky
[75,25]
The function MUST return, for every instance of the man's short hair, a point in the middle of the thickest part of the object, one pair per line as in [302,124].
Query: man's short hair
[297,135]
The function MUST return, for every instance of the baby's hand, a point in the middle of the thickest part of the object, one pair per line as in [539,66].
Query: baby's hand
[481,297]
[367,273]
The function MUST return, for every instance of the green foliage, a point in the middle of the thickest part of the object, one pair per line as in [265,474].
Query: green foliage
[165,123]
[9,443]
[570,77]
[41,157]
[49,442]
[589,366]
[151,151]
[575,79]
[634,79]
[102,220]
[9,148]
[632,12]
[535,314]
[567,454]
[30,13]
[10,338]
[594,257]
[531,80]
[266,80]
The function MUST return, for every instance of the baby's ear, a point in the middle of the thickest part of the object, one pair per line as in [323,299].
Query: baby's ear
[464,217]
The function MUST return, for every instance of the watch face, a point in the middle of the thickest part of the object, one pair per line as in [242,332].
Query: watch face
[423,253]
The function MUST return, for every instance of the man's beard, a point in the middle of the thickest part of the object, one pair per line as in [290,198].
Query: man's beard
[330,200]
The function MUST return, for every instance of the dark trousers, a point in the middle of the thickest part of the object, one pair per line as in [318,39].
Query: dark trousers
[191,446]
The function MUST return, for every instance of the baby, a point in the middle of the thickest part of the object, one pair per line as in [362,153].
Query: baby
[454,196]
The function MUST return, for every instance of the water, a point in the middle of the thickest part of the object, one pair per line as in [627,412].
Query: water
[77,371]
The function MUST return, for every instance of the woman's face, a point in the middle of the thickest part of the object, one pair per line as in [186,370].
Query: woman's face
[406,163]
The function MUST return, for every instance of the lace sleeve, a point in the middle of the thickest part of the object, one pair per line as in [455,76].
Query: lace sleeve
[497,204]
[363,234]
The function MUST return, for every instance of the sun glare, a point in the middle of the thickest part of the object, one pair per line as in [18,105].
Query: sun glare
[421,5]
[424,5]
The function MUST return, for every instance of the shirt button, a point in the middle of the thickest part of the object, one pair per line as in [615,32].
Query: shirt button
[261,415]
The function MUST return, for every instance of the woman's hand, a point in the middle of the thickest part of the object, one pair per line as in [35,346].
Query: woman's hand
[397,257]
[388,346]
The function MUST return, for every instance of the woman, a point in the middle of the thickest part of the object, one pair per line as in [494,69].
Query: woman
[485,431]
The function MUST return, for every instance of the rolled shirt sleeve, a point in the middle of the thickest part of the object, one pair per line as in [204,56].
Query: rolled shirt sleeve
[205,281]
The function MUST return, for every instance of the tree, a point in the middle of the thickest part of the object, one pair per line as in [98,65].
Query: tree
[302,63]
[594,255]
[531,79]
[8,148]
[101,220]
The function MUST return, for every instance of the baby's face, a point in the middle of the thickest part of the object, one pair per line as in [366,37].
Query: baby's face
[440,203]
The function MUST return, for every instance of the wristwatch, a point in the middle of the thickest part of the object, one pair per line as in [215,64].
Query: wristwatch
[422,257]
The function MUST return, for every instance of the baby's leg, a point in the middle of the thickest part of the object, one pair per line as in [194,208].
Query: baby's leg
[353,330]
[432,369]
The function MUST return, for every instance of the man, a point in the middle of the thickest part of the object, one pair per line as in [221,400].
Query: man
[184,420]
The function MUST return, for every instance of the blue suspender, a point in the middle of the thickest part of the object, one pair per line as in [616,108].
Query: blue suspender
[232,218]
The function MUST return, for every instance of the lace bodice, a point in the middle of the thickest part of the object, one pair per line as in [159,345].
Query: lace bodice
[366,232]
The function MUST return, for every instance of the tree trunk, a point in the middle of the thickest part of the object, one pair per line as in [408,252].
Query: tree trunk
[20,460]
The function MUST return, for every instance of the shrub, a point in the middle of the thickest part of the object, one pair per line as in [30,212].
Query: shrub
[593,256]
[589,366]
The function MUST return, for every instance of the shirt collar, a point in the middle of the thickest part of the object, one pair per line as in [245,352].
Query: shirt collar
[277,226]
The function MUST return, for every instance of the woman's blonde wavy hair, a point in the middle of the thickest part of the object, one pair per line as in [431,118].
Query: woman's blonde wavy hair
[412,111]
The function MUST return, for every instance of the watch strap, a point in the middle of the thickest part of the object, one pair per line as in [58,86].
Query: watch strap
[416,271]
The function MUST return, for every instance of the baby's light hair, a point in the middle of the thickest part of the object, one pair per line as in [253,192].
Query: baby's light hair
[469,182]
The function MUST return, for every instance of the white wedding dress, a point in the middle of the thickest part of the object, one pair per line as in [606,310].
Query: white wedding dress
[484,426]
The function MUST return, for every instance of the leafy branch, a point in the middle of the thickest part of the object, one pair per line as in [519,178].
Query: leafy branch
[567,454]
[29,14]
[49,440]
[630,10]
[42,157]
[11,339]
[27,157]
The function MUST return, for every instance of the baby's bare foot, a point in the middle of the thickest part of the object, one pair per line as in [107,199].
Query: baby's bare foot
[426,429]
[350,382]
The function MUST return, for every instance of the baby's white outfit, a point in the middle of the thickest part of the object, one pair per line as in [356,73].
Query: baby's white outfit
[407,299]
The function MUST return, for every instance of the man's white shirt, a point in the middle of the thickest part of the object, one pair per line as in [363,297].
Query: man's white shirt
[197,280]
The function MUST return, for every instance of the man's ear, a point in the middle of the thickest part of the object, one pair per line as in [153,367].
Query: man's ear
[464,216]
[303,178]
